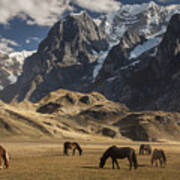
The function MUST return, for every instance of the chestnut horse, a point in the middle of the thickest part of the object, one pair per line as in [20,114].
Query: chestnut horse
[119,153]
[5,157]
[73,146]
[158,154]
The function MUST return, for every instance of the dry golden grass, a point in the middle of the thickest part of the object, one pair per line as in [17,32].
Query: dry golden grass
[44,161]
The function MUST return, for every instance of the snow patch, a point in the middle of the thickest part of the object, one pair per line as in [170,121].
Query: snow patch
[111,79]
[102,56]
[130,65]
[12,78]
[140,49]
[21,56]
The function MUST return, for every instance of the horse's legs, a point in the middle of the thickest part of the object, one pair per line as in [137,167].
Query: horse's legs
[117,164]
[156,163]
[73,153]
[65,151]
[130,163]
[113,160]
[152,162]
[140,151]
[1,166]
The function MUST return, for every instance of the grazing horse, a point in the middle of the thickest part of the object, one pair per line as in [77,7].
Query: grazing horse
[73,146]
[119,153]
[145,148]
[158,154]
[4,155]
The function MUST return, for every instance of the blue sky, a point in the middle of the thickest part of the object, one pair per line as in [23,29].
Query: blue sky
[23,24]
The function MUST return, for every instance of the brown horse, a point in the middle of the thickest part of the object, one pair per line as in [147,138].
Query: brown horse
[158,154]
[145,148]
[5,157]
[73,146]
[119,153]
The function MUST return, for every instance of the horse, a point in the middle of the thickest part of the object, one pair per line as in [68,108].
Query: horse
[119,153]
[73,146]
[145,148]
[158,154]
[5,157]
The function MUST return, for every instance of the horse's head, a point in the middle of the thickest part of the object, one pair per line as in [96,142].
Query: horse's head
[80,152]
[102,162]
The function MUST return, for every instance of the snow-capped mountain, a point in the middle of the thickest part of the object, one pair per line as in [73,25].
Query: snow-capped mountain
[11,66]
[121,58]
[148,21]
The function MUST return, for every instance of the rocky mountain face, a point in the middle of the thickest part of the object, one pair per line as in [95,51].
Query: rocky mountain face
[132,57]
[11,66]
[64,59]
[150,81]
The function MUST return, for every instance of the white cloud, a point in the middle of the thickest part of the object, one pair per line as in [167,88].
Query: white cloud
[29,40]
[163,0]
[47,12]
[98,5]
[5,45]
[41,12]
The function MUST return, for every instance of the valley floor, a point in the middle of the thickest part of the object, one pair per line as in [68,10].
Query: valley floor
[44,160]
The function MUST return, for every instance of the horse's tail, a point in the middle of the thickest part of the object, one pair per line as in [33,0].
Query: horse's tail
[140,150]
[150,150]
[79,148]
[152,160]
[134,158]
[164,156]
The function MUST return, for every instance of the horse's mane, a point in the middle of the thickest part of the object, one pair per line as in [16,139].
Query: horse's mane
[106,153]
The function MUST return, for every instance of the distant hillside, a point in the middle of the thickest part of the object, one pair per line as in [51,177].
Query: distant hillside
[66,114]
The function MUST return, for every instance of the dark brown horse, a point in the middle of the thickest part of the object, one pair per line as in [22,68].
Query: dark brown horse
[119,153]
[158,154]
[73,146]
[145,148]
[5,157]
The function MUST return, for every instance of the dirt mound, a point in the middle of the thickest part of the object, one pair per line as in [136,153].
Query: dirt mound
[150,126]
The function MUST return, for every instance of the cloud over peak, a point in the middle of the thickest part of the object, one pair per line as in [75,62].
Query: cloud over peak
[47,12]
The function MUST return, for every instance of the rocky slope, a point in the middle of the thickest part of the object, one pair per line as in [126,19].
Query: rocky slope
[64,59]
[148,82]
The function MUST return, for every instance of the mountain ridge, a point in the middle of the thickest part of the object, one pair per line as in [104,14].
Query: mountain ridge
[68,57]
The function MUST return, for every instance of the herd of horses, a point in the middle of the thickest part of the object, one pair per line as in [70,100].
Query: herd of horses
[112,152]
[115,153]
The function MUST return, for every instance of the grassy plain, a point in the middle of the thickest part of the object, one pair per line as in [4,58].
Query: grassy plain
[44,160]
